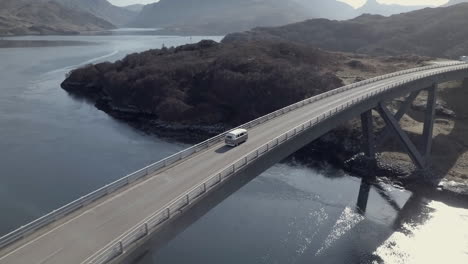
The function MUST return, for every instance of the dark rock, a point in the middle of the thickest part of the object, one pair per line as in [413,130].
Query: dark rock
[360,164]
[356,64]
[441,108]
[358,79]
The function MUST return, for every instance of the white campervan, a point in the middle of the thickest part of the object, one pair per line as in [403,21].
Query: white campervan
[236,137]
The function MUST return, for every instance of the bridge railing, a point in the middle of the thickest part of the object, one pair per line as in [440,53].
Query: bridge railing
[178,157]
[173,208]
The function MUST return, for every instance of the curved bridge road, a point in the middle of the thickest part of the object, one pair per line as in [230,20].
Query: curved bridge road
[78,236]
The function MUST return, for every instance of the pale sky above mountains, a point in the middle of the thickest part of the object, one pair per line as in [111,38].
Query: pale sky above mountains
[354,3]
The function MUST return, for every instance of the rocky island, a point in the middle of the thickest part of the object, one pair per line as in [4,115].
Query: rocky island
[207,83]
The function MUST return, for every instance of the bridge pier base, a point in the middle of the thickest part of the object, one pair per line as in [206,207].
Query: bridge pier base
[363,197]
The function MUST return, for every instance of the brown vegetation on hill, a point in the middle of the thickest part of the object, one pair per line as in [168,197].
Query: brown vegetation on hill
[208,83]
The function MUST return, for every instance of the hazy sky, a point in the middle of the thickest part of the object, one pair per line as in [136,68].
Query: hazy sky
[355,3]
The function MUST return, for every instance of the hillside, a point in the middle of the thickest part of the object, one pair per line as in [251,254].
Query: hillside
[437,32]
[102,8]
[223,16]
[43,17]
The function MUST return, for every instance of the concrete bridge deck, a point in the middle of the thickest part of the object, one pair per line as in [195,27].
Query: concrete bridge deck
[77,237]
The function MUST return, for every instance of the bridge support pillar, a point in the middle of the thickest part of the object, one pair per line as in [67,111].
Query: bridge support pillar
[367,131]
[398,116]
[369,141]
[363,196]
[393,124]
[421,159]
[429,123]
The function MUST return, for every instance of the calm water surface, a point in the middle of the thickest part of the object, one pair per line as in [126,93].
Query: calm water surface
[55,149]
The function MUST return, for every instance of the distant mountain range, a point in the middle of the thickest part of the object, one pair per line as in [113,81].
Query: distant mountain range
[19,17]
[60,16]
[376,8]
[438,32]
[102,8]
[223,16]
[194,17]
[218,16]
[330,9]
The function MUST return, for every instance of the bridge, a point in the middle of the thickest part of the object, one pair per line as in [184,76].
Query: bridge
[112,223]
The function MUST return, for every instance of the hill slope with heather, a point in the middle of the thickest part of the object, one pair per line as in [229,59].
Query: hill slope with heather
[206,83]
[437,32]
[214,83]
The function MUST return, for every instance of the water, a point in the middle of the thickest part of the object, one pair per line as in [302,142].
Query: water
[295,214]
[55,148]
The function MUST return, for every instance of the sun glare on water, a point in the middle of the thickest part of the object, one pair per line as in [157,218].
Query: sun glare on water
[442,239]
